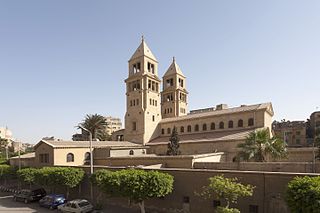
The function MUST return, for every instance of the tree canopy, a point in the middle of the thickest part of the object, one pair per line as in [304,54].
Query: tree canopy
[28,175]
[303,194]
[258,146]
[173,145]
[227,189]
[137,185]
[96,124]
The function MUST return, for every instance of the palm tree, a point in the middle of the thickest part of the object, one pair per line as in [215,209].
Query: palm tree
[96,124]
[258,146]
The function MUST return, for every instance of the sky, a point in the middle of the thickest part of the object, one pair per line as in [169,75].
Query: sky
[61,60]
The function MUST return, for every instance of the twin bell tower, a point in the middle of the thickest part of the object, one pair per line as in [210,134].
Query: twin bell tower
[147,105]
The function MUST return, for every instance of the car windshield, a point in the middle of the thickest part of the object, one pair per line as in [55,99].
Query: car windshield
[83,203]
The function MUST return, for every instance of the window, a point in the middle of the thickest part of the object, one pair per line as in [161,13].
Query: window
[131,152]
[162,131]
[204,127]
[44,158]
[182,129]
[136,68]
[230,124]
[253,209]
[169,82]
[298,132]
[134,126]
[87,156]
[150,67]
[70,157]
[221,125]
[137,102]
[213,126]
[153,118]
[298,141]
[250,122]
[180,82]
[189,128]
[168,131]
[186,199]
[196,128]
[240,123]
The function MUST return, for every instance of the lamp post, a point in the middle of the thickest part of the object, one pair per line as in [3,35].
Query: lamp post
[90,139]
[91,158]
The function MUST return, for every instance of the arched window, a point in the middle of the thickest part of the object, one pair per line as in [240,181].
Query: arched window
[196,128]
[230,124]
[213,126]
[204,127]
[189,128]
[70,157]
[131,152]
[221,125]
[250,122]
[182,129]
[240,123]
[87,156]
[168,131]
[162,131]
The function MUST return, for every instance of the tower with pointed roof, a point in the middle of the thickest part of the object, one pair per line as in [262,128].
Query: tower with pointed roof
[143,96]
[174,94]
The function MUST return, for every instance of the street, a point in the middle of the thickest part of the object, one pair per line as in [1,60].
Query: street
[7,204]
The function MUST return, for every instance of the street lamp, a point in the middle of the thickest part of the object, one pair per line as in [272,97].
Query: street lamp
[91,158]
[91,155]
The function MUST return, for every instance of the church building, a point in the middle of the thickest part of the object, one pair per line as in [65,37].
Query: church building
[152,112]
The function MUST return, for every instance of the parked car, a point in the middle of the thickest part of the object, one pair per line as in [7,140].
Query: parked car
[52,201]
[76,206]
[28,195]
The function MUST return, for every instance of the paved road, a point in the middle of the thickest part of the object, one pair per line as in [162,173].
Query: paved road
[7,204]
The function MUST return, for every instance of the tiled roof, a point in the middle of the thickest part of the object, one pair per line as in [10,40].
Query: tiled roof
[173,69]
[206,137]
[246,108]
[85,144]
[143,50]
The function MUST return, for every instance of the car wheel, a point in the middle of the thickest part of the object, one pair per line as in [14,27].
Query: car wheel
[25,200]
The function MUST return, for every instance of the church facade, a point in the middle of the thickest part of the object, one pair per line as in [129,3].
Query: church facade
[152,112]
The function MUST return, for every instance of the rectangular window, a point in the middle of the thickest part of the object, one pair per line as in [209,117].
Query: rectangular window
[150,67]
[298,141]
[153,118]
[137,102]
[44,158]
[253,209]
[186,199]
[134,126]
[298,132]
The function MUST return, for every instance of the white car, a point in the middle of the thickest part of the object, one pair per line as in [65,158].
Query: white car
[76,206]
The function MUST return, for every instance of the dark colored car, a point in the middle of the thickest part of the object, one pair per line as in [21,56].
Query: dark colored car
[52,201]
[27,195]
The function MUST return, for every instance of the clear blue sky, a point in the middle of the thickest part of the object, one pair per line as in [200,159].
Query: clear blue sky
[61,60]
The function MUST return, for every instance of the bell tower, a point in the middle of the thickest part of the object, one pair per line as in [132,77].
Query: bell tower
[143,96]
[174,94]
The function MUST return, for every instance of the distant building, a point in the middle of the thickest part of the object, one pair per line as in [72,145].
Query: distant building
[292,132]
[113,124]
[314,122]
[5,133]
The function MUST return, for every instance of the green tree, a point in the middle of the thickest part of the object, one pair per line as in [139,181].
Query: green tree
[59,176]
[137,185]
[173,145]
[7,172]
[96,124]
[28,175]
[258,146]
[4,146]
[303,195]
[227,189]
